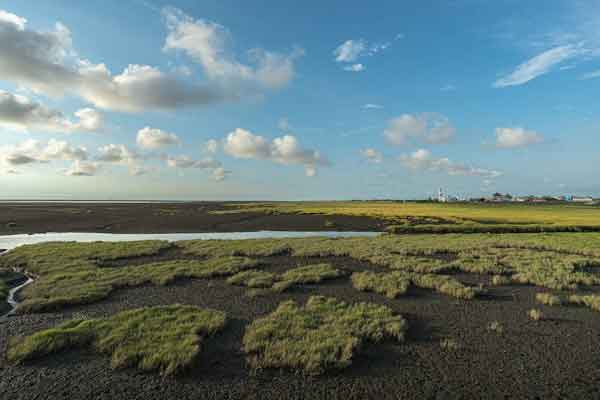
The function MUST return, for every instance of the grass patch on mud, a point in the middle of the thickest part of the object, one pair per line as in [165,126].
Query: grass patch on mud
[72,273]
[166,339]
[81,273]
[324,334]
[394,284]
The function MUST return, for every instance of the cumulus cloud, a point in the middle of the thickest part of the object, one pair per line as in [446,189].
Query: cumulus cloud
[117,154]
[372,155]
[539,65]
[152,138]
[508,138]
[82,168]
[206,43]
[32,151]
[426,127]
[283,150]
[422,159]
[46,62]
[21,113]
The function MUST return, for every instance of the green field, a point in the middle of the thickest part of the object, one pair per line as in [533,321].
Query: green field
[435,217]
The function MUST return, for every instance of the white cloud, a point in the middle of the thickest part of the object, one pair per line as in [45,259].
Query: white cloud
[117,154]
[21,113]
[152,138]
[283,150]
[355,68]
[508,138]
[82,168]
[220,174]
[431,128]
[46,62]
[353,49]
[243,144]
[422,159]
[372,155]
[539,65]
[591,75]
[350,50]
[206,43]
[371,106]
[211,146]
[32,151]
[187,162]
[12,19]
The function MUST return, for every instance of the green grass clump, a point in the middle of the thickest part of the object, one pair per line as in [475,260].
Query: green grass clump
[393,284]
[167,338]
[495,326]
[306,275]
[322,335]
[592,301]
[253,279]
[500,280]
[311,273]
[86,283]
[535,314]
[548,299]
[390,285]
[445,285]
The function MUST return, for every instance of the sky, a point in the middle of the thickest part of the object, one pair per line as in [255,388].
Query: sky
[287,100]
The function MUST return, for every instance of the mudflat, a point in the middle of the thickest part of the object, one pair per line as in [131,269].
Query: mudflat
[164,218]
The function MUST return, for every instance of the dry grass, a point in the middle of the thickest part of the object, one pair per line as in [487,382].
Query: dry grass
[253,279]
[535,314]
[390,285]
[167,339]
[592,301]
[548,299]
[324,334]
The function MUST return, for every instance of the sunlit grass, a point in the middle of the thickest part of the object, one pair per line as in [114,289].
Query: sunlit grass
[167,339]
[324,334]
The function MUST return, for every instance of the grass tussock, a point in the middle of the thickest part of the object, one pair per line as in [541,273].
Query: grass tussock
[500,280]
[535,315]
[395,283]
[84,283]
[390,285]
[592,301]
[253,279]
[548,299]
[324,334]
[166,339]
[449,344]
[308,274]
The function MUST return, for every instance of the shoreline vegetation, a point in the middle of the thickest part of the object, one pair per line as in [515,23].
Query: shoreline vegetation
[71,274]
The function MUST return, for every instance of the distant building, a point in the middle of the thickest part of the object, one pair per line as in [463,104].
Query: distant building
[442,196]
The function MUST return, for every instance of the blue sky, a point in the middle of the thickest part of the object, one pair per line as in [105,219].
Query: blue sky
[144,99]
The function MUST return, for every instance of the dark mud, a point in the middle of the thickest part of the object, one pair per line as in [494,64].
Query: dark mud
[164,218]
[555,358]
